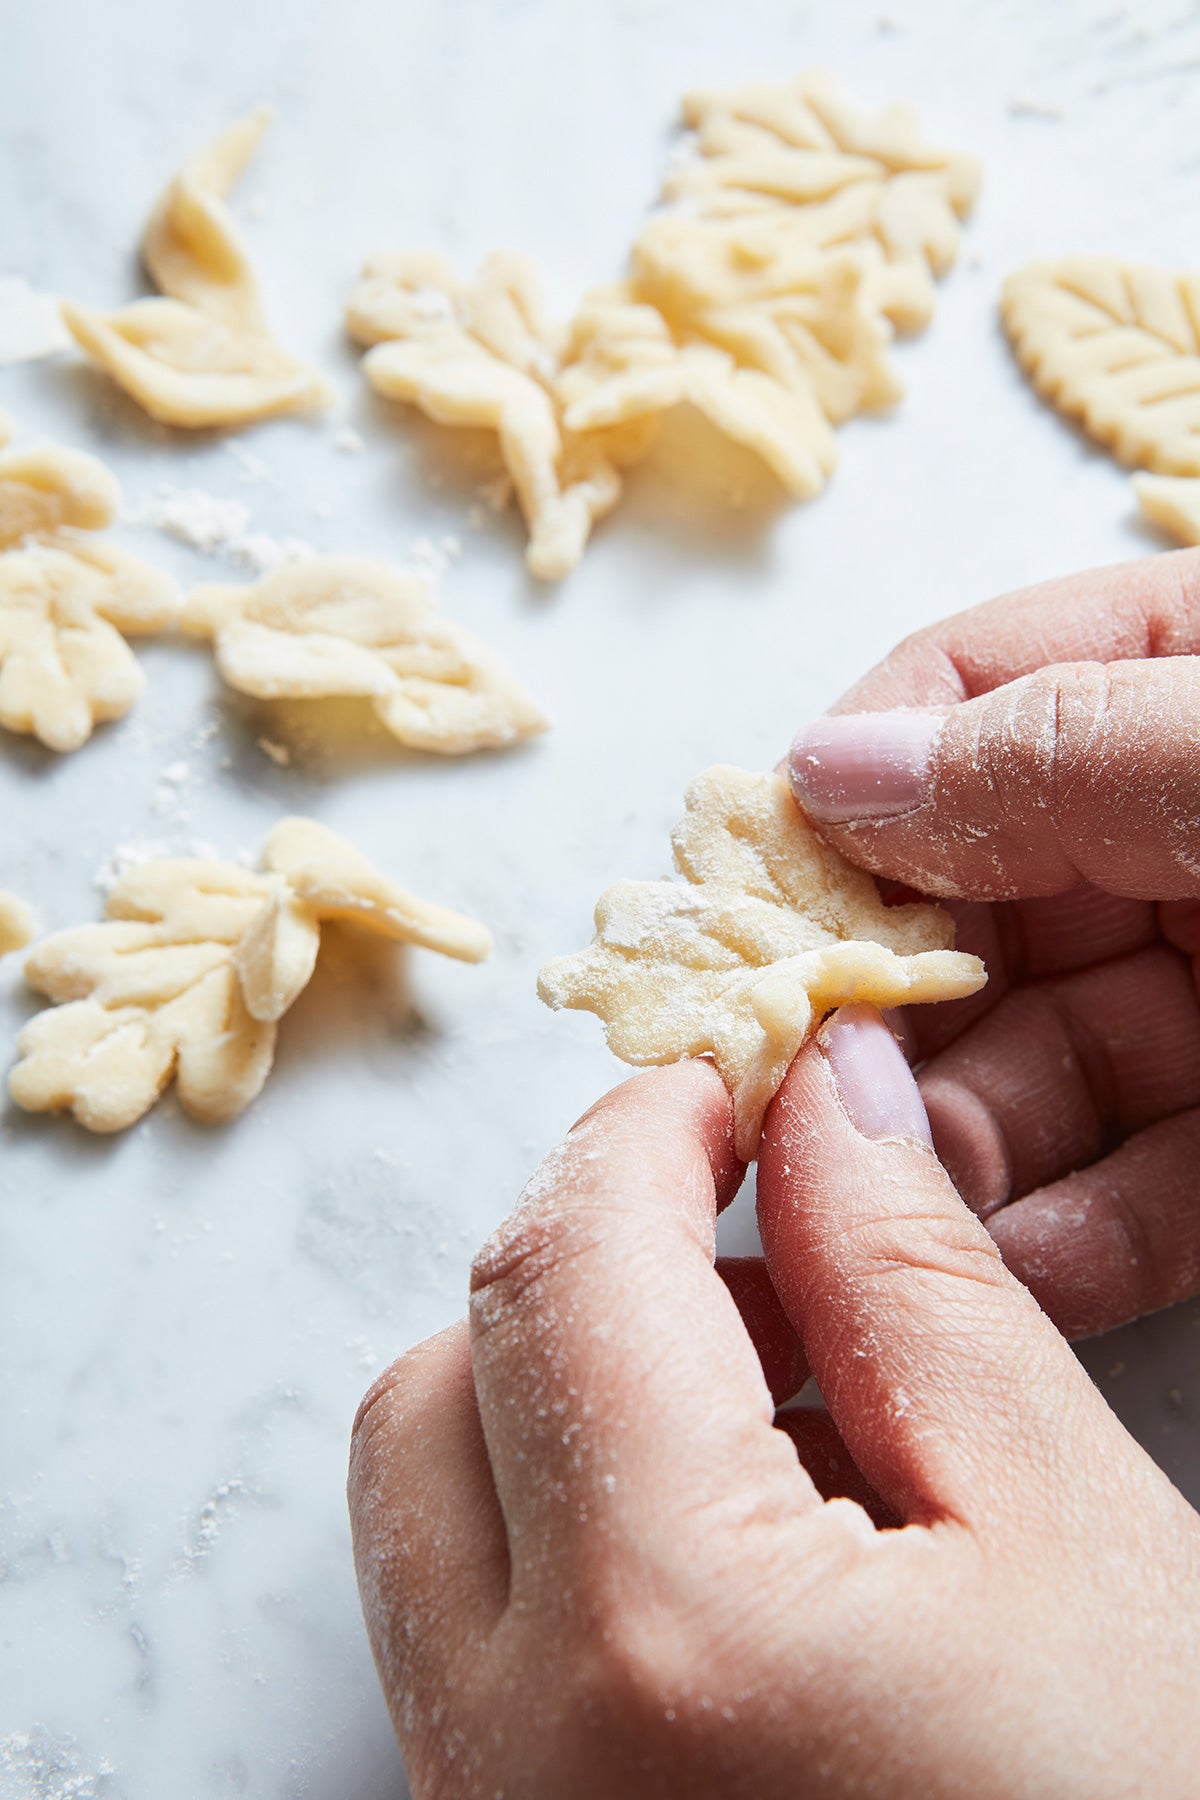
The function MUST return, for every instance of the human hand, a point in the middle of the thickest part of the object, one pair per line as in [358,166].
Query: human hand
[591,1567]
[1038,759]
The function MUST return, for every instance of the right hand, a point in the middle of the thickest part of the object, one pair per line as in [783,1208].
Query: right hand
[1036,762]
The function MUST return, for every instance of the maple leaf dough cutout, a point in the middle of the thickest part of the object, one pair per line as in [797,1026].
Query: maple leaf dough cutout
[1115,345]
[203,355]
[349,625]
[16,923]
[191,972]
[485,356]
[1172,502]
[769,931]
[793,166]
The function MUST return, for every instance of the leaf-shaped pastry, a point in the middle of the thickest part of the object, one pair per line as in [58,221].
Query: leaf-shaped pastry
[16,923]
[64,663]
[770,930]
[41,490]
[485,356]
[348,625]
[1115,345]
[818,173]
[1173,502]
[202,356]
[191,971]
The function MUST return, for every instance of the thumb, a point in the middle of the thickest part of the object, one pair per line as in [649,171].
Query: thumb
[954,1394]
[1081,771]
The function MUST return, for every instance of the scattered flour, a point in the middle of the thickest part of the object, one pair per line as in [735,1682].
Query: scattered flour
[136,851]
[279,754]
[1021,106]
[253,469]
[430,557]
[349,441]
[39,1764]
[31,325]
[217,525]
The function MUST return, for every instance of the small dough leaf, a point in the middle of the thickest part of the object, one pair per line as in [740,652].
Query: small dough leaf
[191,972]
[348,625]
[41,490]
[1115,345]
[16,923]
[1172,502]
[770,930]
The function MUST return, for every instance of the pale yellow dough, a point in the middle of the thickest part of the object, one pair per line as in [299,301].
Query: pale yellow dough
[16,923]
[43,489]
[769,931]
[6,426]
[1173,502]
[348,625]
[193,969]
[1115,345]
[202,356]
[804,232]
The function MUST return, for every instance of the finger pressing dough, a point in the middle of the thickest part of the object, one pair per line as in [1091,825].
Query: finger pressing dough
[202,356]
[1115,345]
[769,931]
[348,625]
[191,972]
[484,355]
[1173,502]
[16,923]
[802,233]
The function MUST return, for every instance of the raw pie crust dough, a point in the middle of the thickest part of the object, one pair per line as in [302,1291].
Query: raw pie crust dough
[16,923]
[67,600]
[770,931]
[348,625]
[194,968]
[804,232]
[1173,502]
[204,355]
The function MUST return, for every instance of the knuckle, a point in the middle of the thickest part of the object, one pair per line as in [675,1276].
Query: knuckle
[524,1256]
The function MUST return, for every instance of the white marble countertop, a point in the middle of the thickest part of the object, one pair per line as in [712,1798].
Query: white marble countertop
[188,1316]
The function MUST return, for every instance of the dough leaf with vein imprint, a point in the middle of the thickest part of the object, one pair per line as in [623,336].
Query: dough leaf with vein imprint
[192,970]
[1171,502]
[349,625]
[1115,345]
[769,931]
[203,355]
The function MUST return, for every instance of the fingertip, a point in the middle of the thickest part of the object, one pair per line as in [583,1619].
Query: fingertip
[685,1099]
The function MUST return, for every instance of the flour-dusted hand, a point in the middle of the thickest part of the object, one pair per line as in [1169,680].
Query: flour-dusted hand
[1041,755]
[593,1565]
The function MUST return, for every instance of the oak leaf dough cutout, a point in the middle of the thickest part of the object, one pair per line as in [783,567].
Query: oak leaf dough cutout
[349,625]
[806,232]
[1115,345]
[16,923]
[485,356]
[193,969]
[769,931]
[1171,502]
[203,355]
[69,600]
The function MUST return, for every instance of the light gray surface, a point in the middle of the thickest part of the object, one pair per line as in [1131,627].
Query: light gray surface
[188,1317]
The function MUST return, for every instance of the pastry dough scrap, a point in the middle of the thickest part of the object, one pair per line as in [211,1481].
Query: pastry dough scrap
[1115,345]
[348,625]
[16,923]
[41,490]
[820,173]
[191,972]
[770,930]
[1173,502]
[203,355]
[485,356]
[66,606]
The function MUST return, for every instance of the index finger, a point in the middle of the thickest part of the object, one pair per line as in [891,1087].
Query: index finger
[1124,613]
[620,1394]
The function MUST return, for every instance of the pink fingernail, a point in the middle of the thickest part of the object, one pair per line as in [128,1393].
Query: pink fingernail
[864,765]
[874,1083]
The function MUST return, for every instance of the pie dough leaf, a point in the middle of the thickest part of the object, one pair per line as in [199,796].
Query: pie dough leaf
[1172,502]
[187,369]
[1115,345]
[191,246]
[353,626]
[769,931]
[41,490]
[336,882]
[277,954]
[16,923]
[64,665]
